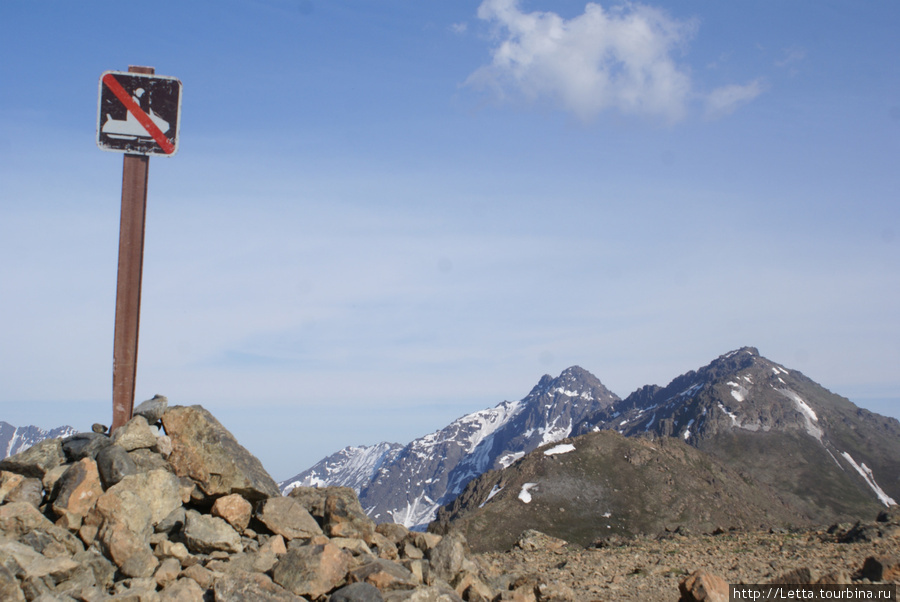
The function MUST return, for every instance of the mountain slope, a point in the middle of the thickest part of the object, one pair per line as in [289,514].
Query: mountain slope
[832,458]
[768,446]
[603,485]
[350,467]
[411,483]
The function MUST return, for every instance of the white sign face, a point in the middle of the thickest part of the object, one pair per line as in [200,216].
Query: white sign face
[138,114]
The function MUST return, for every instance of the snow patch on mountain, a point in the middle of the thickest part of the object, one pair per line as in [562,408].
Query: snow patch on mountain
[866,474]
[809,415]
[525,493]
[563,448]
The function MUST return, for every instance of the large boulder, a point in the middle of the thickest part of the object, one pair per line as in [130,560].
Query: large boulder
[79,488]
[205,534]
[312,570]
[205,451]
[288,518]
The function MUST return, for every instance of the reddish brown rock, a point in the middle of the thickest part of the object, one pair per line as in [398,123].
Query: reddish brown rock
[882,568]
[701,586]
[383,574]
[8,482]
[234,509]
[30,491]
[79,490]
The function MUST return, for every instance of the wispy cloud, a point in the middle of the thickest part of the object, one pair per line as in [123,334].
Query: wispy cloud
[623,59]
[727,99]
[459,28]
[791,57]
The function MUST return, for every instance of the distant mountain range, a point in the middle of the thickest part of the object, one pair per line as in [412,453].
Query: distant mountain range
[809,455]
[407,484]
[16,439]
[742,442]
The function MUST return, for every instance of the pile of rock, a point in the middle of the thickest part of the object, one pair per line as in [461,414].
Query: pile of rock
[172,508]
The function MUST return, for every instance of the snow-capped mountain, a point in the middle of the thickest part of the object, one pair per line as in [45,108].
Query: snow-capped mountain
[409,484]
[772,423]
[17,439]
[350,467]
[771,447]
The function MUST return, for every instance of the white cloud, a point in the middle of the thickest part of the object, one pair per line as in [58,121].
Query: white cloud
[725,100]
[602,59]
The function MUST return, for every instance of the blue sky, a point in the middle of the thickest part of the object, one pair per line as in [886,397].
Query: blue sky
[383,216]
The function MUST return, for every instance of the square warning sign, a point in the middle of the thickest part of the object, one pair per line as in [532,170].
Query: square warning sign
[138,114]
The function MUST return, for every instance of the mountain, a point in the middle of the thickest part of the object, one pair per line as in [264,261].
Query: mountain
[829,456]
[350,467]
[408,485]
[602,486]
[759,444]
[16,439]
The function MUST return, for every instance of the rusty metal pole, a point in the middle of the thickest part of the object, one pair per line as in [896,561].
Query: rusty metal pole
[135,170]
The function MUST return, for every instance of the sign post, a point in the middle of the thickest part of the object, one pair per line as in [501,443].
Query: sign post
[137,115]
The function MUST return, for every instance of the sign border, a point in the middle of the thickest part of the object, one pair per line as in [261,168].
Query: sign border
[161,152]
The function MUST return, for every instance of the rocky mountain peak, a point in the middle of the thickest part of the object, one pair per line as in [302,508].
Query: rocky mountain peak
[407,484]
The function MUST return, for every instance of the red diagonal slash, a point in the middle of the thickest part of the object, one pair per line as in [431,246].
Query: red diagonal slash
[113,84]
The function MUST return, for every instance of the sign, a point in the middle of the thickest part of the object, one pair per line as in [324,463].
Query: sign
[138,113]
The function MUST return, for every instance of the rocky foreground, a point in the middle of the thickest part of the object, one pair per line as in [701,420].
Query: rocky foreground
[676,566]
[172,508]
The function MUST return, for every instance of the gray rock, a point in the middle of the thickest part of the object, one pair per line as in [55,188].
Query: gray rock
[395,532]
[84,445]
[51,540]
[174,521]
[204,534]
[31,565]
[449,556]
[357,592]
[37,459]
[146,460]
[104,570]
[152,409]
[18,518]
[312,570]
[344,517]
[182,590]
[125,528]
[205,451]
[384,574]
[9,586]
[30,491]
[288,518]
[135,434]
[160,491]
[114,464]
[242,586]
[431,593]
[99,428]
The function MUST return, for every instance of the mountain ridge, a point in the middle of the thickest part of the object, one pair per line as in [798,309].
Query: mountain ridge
[737,409]
[750,421]
[15,439]
[411,483]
